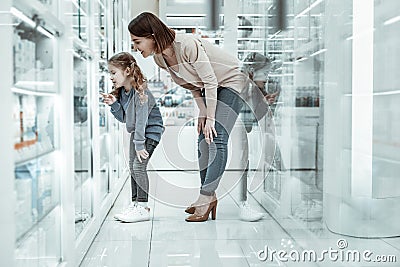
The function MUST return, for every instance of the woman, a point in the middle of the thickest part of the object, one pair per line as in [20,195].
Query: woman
[214,78]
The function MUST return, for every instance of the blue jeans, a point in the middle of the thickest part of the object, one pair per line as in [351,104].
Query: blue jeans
[212,158]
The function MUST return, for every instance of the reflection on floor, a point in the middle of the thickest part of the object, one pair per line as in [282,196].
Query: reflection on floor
[168,240]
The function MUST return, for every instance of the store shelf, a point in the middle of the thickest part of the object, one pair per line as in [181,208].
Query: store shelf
[184,15]
[31,158]
[187,27]
[18,89]
[253,15]
[213,38]
[252,39]
[35,9]
[379,93]
[254,27]
[250,50]
[281,51]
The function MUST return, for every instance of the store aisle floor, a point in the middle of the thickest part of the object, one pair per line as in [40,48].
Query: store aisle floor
[167,240]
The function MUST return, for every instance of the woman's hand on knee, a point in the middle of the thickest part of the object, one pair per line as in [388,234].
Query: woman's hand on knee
[209,130]
[142,154]
[201,122]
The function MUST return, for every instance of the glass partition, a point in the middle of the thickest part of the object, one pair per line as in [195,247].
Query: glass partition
[80,18]
[292,148]
[335,118]
[102,80]
[361,184]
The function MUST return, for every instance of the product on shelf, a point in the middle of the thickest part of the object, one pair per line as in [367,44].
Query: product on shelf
[307,97]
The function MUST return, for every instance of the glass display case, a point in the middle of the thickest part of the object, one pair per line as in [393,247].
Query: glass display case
[55,132]
[36,147]
[82,142]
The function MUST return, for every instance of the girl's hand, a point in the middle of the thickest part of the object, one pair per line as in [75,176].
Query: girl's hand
[271,98]
[209,130]
[109,99]
[142,154]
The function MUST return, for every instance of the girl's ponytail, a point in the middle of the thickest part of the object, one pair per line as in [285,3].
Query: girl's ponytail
[138,81]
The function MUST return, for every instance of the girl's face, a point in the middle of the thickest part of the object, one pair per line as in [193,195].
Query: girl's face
[119,77]
[144,45]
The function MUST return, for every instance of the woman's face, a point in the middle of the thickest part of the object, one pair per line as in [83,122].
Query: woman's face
[118,77]
[144,45]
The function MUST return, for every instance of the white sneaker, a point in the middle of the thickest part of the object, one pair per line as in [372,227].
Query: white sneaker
[248,214]
[131,207]
[138,214]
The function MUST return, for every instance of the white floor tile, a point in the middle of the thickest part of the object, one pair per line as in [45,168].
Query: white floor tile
[197,253]
[118,254]
[303,229]
[177,189]
[168,240]
[227,209]
[216,230]
[119,231]
[395,242]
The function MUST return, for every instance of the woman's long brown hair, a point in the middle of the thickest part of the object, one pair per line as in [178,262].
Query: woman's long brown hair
[123,61]
[149,25]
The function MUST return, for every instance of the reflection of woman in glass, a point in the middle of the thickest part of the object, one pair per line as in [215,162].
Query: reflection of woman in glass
[132,103]
[215,81]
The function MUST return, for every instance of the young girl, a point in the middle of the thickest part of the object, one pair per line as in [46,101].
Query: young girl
[133,104]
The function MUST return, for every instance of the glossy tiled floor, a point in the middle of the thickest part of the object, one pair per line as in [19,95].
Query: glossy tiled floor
[167,240]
